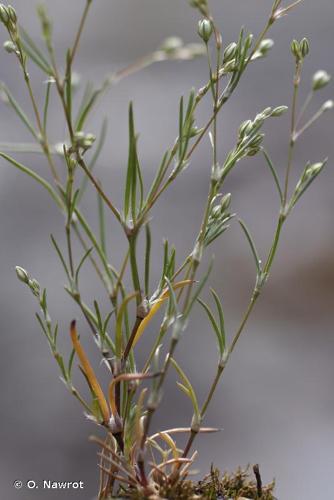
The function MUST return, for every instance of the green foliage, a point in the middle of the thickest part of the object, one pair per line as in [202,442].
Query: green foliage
[126,412]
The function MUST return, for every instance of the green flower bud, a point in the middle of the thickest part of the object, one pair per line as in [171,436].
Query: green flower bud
[266,45]
[225,202]
[205,29]
[253,151]
[245,128]
[327,106]
[320,80]
[256,141]
[249,41]
[12,14]
[313,170]
[22,275]
[229,52]
[279,111]
[35,287]
[9,47]
[296,50]
[4,14]
[304,47]
[229,66]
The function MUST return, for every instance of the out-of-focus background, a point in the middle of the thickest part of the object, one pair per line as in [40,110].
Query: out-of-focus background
[275,403]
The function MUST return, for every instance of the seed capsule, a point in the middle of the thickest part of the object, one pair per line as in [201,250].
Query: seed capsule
[205,29]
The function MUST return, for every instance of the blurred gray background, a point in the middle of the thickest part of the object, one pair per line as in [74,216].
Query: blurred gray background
[276,402]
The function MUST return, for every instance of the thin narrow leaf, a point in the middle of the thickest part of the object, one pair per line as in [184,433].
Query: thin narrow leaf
[35,54]
[46,105]
[18,110]
[86,254]
[221,315]
[119,321]
[214,325]
[36,177]
[252,246]
[102,224]
[147,259]
[274,174]
[187,385]
[61,257]
[198,290]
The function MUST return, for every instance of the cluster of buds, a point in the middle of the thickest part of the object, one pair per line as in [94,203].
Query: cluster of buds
[320,80]
[24,277]
[9,18]
[311,171]
[219,217]
[300,49]
[248,133]
[83,141]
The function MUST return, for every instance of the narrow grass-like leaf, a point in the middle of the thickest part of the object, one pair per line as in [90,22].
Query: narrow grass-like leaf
[198,290]
[119,322]
[61,257]
[35,54]
[252,246]
[147,259]
[102,224]
[36,177]
[19,111]
[221,315]
[86,254]
[274,174]
[187,386]
[214,325]
[46,105]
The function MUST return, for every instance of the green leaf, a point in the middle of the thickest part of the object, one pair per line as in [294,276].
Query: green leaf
[221,315]
[186,387]
[274,174]
[214,325]
[19,111]
[252,246]
[147,259]
[61,258]
[35,54]
[119,322]
[46,105]
[198,290]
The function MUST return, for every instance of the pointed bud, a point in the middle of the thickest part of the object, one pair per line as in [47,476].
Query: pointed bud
[229,52]
[4,15]
[296,50]
[12,14]
[320,80]
[245,128]
[22,274]
[279,111]
[205,29]
[225,202]
[35,287]
[304,47]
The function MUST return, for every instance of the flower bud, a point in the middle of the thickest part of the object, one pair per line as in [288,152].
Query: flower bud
[225,202]
[12,14]
[256,141]
[249,41]
[205,29]
[320,80]
[313,170]
[245,128]
[34,287]
[304,47]
[266,45]
[279,111]
[296,50]
[4,15]
[9,47]
[327,106]
[229,52]
[22,274]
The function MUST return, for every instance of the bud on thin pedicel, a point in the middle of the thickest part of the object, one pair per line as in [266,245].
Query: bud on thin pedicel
[320,80]
[229,52]
[327,106]
[9,47]
[205,29]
